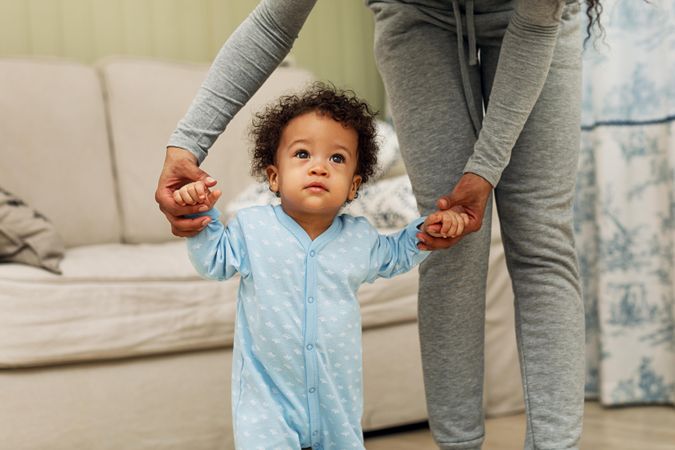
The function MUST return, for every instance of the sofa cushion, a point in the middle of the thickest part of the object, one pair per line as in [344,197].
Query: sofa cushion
[26,236]
[146,99]
[54,147]
[118,300]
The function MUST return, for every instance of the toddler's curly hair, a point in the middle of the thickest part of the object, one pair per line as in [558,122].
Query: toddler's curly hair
[343,106]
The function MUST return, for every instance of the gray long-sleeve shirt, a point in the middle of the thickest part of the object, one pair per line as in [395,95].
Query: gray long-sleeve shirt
[262,41]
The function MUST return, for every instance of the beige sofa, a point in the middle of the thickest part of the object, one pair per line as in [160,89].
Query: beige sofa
[128,348]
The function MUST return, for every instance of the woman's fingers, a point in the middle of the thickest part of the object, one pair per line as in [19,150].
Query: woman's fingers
[428,242]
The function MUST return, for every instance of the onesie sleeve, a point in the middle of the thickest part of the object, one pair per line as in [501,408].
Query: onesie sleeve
[242,65]
[396,253]
[219,251]
[524,63]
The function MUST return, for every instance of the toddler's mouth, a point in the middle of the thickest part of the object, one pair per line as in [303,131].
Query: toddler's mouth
[316,187]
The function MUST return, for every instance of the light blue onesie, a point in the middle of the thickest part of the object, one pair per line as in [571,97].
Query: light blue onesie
[296,372]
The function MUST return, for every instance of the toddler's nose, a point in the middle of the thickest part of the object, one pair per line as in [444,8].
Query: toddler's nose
[318,169]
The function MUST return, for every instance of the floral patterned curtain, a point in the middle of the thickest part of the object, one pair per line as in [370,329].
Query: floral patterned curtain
[625,205]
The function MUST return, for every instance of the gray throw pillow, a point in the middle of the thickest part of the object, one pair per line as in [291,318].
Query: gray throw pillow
[27,237]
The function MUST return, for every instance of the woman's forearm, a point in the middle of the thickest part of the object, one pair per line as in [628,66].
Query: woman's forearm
[524,63]
[242,65]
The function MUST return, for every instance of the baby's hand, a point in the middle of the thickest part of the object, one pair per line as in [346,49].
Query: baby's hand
[445,224]
[196,193]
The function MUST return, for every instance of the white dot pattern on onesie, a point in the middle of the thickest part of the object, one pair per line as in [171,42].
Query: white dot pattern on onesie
[296,375]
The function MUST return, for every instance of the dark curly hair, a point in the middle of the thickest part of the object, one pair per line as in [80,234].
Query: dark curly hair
[593,12]
[343,106]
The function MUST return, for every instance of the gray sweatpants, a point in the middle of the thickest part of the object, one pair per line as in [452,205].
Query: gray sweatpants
[418,57]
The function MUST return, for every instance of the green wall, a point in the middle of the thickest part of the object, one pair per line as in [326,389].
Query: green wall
[335,44]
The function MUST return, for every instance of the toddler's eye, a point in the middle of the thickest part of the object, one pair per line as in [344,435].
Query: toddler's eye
[337,158]
[302,154]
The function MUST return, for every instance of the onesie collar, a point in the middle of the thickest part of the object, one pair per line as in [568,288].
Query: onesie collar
[301,235]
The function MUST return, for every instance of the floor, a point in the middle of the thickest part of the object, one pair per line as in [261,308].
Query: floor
[629,428]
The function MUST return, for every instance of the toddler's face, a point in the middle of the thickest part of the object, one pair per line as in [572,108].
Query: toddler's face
[315,165]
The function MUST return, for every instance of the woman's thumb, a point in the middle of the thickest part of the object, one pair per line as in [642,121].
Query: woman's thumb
[188,169]
[208,180]
[443,202]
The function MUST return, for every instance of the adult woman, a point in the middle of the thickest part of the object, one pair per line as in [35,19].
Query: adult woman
[442,62]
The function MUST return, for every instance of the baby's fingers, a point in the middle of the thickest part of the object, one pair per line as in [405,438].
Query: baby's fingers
[189,194]
[449,226]
[462,223]
[460,226]
[201,191]
[177,198]
[433,224]
[433,230]
[433,218]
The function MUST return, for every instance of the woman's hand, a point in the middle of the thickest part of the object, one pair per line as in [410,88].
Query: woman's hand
[180,168]
[470,197]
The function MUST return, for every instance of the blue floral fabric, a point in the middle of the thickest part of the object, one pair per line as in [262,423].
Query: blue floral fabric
[625,205]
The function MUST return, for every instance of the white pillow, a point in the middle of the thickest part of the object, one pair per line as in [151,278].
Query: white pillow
[389,153]
[256,194]
[387,203]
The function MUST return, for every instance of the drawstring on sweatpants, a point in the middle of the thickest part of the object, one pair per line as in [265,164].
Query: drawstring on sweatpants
[472,60]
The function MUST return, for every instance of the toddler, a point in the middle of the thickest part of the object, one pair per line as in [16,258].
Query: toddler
[296,375]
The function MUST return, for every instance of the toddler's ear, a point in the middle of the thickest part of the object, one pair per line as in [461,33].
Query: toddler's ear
[356,182]
[273,177]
